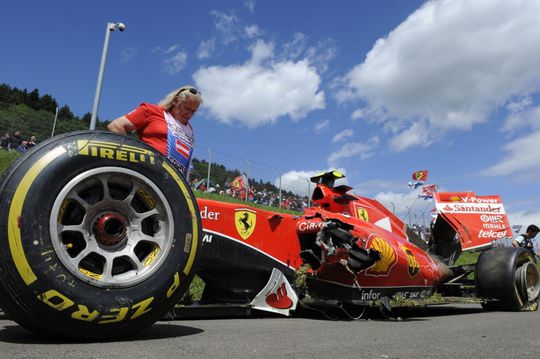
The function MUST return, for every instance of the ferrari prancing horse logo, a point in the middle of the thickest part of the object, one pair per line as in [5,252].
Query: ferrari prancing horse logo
[245,221]
[362,213]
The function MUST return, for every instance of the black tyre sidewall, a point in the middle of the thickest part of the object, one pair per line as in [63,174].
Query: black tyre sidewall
[495,272]
[50,302]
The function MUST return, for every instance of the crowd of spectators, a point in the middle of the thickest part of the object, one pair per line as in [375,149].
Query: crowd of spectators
[262,196]
[16,142]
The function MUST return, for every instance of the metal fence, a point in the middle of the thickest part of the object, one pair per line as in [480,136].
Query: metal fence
[290,193]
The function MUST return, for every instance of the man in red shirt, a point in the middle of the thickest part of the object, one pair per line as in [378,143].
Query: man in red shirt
[165,126]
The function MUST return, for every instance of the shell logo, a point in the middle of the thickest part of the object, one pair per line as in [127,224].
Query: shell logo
[388,257]
[413,266]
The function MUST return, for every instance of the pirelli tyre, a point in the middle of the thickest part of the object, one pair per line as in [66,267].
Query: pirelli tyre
[99,236]
[508,279]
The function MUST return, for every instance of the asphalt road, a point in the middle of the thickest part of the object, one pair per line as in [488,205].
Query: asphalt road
[450,331]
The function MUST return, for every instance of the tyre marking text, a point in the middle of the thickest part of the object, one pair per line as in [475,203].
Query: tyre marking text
[115,151]
[60,302]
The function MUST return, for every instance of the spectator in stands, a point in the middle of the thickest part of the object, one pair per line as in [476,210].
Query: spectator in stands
[16,140]
[525,240]
[32,142]
[212,189]
[22,147]
[5,142]
[165,126]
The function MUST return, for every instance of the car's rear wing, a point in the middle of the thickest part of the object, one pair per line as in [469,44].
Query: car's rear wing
[477,220]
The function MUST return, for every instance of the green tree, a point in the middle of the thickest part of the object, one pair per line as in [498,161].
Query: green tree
[47,103]
[65,113]
[5,93]
[32,99]
[18,96]
[87,117]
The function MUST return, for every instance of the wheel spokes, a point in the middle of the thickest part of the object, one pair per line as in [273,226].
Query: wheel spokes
[112,226]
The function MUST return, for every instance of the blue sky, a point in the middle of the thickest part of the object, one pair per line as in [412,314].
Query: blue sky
[378,89]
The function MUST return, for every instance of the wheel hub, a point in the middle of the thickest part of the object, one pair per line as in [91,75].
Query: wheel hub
[106,232]
[110,229]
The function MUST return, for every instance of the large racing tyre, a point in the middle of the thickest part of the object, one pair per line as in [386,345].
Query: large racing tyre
[508,279]
[99,236]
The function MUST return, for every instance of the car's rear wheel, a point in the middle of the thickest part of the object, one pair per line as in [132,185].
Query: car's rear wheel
[508,279]
[99,236]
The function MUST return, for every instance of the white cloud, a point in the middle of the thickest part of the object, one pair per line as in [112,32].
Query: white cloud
[416,135]
[321,125]
[338,137]
[523,218]
[521,159]
[250,4]
[256,94]
[298,181]
[294,48]
[261,51]
[404,203]
[206,49]
[175,63]
[450,64]
[252,31]
[227,26]
[174,60]
[372,187]
[521,115]
[361,150]
[229,29]
[319,54]
[127,54]
[171,49]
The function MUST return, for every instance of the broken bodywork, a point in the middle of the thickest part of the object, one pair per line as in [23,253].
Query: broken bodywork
[349,250]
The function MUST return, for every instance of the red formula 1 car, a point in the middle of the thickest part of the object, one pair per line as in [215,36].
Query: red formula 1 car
[100,237]
[357,252]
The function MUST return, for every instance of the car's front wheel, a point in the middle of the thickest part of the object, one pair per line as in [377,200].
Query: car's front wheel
[99,236]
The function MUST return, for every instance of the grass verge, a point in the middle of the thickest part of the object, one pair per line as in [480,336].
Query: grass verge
[6,158]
